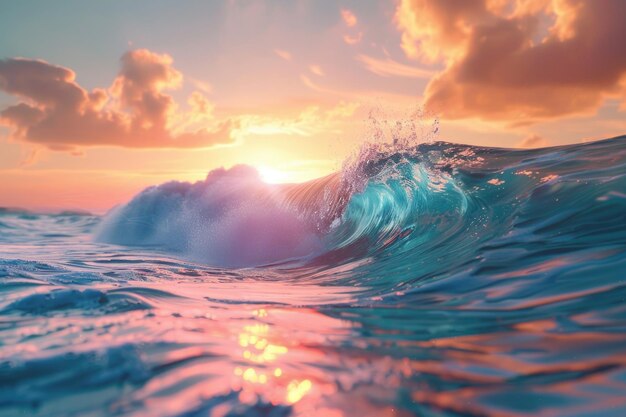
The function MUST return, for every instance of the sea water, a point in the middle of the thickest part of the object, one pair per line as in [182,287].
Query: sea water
[434,280]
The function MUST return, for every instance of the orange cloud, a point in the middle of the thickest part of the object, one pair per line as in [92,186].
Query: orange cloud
[519,62]
[56,112]
[353,40]
[348,18]
[200,106]
[139,88]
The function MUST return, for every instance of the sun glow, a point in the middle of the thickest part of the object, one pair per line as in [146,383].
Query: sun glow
[275,176]
[293,172]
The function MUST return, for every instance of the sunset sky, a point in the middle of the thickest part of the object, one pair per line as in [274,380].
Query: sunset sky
[100,99]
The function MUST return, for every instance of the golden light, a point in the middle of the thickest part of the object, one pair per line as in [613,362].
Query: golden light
[274,176]
[297,389]
[260,374]
[258,349]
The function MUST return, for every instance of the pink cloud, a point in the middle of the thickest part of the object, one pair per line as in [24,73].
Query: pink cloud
[283,54]
[56,112]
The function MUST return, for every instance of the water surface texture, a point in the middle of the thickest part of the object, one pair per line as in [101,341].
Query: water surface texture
[437,280]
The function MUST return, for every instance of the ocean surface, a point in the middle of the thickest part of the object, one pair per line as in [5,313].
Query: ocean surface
[428,280]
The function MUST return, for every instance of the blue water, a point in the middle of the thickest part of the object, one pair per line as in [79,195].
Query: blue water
[433,280]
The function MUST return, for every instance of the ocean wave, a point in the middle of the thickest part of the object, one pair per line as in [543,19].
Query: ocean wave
[434,208]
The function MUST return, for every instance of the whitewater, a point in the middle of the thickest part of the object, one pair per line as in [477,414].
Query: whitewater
[431,279]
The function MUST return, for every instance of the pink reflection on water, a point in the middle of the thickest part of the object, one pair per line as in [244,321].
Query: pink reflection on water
[264,354]
[270,359]
[198,349]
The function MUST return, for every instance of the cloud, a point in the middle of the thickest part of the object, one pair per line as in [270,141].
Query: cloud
[311,121]
[388,67]
[139,88]
[306,80]
[201,107]
[30,159]
[515,61]
[353,40]
[317,70]
[348,18]
[203,86]
[54,111]
[283,54]
[533,141]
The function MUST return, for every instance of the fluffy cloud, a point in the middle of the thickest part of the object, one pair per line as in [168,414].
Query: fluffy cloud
[518,61]
[135,112]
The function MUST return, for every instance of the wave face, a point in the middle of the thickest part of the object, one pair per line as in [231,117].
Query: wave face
[437,279]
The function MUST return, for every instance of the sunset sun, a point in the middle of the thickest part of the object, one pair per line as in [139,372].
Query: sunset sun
[272,175]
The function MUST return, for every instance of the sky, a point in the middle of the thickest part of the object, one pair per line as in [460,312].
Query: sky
[101,99]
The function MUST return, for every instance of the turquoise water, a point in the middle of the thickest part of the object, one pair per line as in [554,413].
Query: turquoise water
[437,280]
